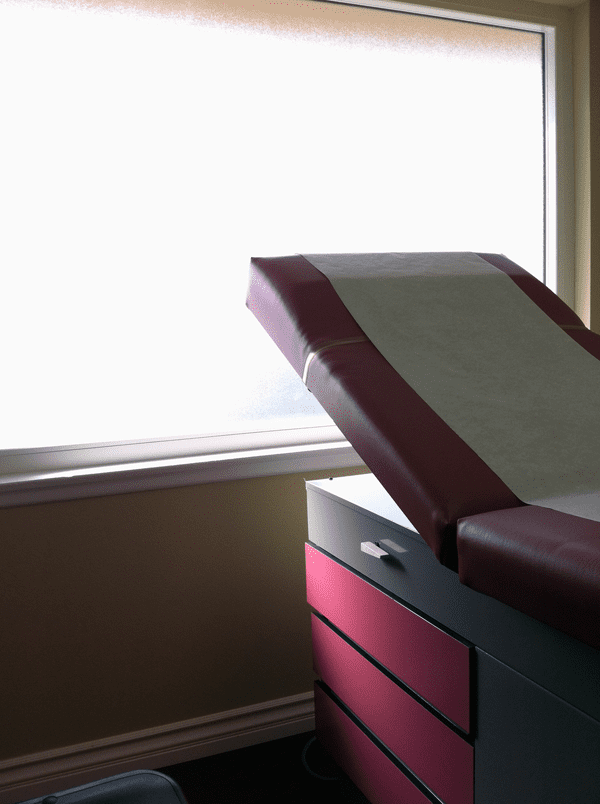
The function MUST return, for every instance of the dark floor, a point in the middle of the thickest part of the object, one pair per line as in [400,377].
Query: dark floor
[293,770]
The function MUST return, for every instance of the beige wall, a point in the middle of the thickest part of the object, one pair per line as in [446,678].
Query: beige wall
[131,611]
[581,102]
[594,157]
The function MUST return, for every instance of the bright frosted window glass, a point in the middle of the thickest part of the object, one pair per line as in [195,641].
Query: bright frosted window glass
[145,157]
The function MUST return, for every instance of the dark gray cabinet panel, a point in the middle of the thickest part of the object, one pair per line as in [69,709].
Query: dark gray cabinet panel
[531,746]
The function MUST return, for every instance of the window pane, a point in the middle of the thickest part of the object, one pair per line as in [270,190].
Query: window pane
[147,157]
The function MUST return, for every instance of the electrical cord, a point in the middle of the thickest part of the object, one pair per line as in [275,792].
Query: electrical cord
[312,772]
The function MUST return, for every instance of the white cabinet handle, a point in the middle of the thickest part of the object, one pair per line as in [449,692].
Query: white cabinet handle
[395,548]
[372,549]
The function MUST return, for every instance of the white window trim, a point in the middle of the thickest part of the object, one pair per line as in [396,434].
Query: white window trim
[44,475]
[120,476]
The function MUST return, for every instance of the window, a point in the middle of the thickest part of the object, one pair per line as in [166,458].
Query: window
[149,154]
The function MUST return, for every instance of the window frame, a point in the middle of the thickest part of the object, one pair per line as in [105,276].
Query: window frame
[41,475]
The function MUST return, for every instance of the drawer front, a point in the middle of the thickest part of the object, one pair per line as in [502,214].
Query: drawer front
[368,767]
[437,755]
[430,661]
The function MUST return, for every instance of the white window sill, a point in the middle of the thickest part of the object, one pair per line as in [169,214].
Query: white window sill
[124,478]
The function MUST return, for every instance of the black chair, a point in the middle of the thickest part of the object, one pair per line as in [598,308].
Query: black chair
[135,787]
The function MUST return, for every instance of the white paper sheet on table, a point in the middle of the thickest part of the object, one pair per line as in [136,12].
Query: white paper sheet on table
[501,374]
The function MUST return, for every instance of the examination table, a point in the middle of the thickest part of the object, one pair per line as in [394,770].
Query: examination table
[455,589]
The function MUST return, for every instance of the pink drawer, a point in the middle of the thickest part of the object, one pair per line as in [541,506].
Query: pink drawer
[437,755]
[368,767]
[430,661]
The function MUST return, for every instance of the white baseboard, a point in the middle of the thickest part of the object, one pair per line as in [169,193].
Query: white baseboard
[50,772]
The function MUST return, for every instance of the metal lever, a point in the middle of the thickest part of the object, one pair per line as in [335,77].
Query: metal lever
[372,550]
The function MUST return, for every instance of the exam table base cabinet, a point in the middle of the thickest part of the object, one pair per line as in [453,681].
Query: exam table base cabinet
[425,693]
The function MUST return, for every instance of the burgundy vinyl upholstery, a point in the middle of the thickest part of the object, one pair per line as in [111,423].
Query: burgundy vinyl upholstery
[542,562]
[552,305]
[549,302]
[433,475]
[297,306]
[539,561]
